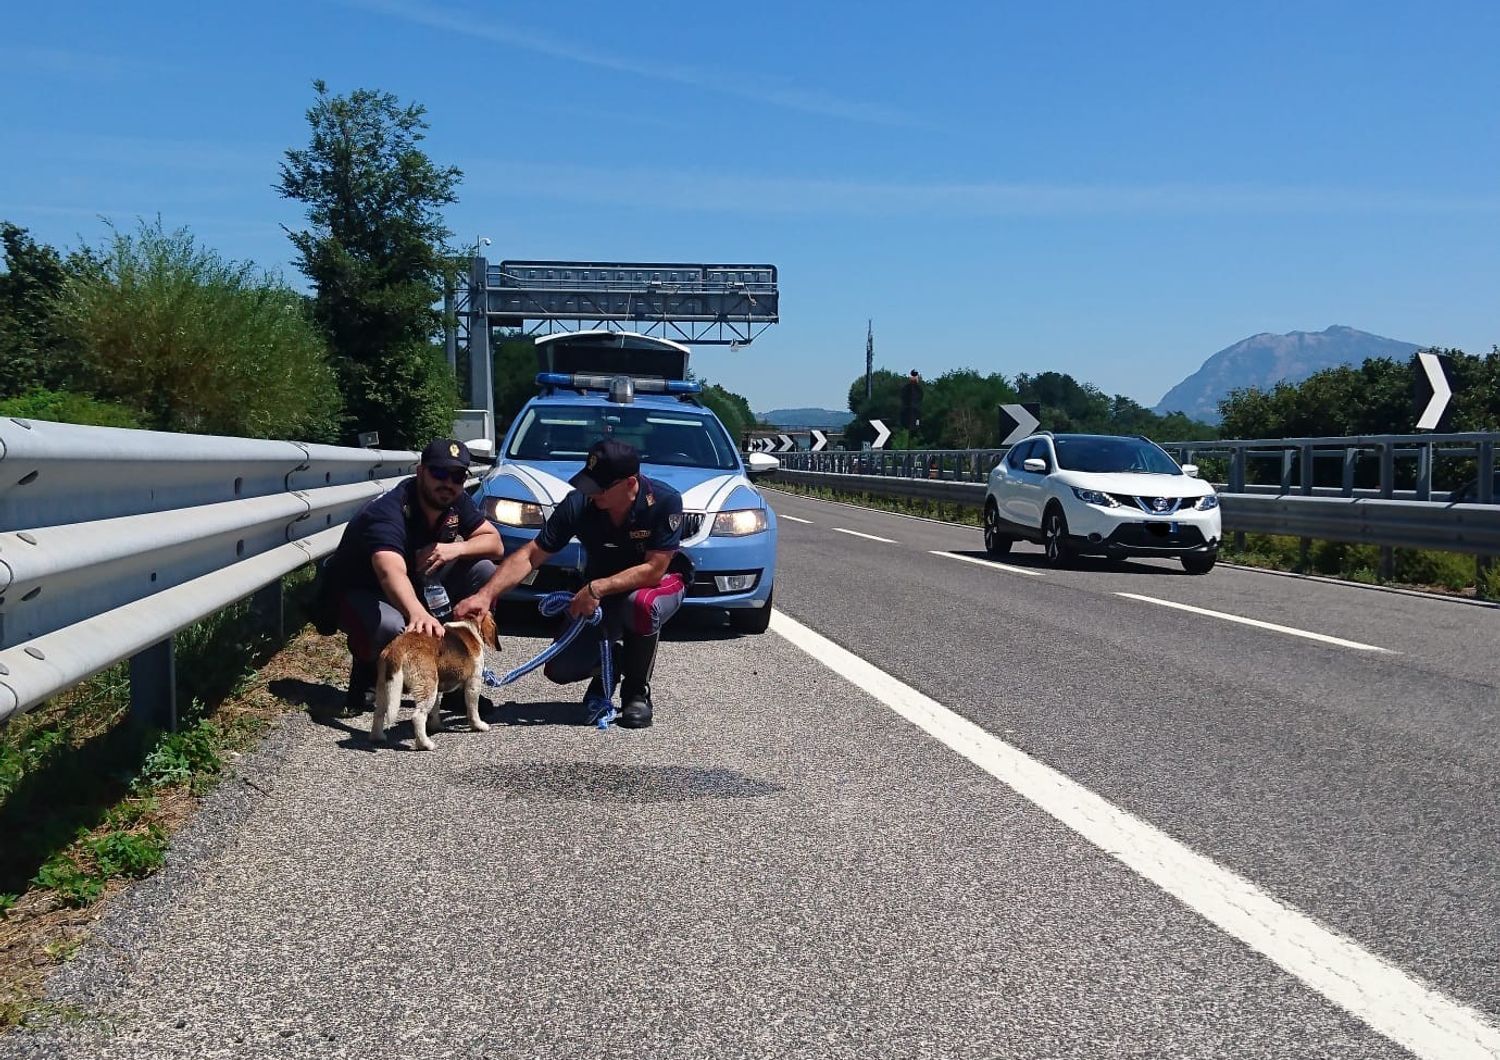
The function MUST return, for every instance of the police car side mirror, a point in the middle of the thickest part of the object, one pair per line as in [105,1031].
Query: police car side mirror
[1190,470]
[1036,465]
[761,464]
[482,449]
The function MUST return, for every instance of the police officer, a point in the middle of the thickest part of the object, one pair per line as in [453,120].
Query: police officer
[421,533]
[630,528]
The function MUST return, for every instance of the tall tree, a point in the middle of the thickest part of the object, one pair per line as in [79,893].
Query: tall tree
[32,353]
[376,253]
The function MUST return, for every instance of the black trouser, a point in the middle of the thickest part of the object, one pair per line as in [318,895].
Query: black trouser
[634,616]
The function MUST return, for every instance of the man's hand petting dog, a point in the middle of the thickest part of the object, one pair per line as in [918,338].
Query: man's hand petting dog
[425,623]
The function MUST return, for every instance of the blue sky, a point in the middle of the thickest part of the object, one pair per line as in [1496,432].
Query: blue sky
[1112,190]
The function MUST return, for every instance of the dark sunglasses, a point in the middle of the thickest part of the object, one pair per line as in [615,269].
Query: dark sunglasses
[449,474]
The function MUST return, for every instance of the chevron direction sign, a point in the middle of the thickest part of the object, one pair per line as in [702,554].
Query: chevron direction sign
[1017,421]
[1434,392]
[882,432]
[819,441]
[787,445]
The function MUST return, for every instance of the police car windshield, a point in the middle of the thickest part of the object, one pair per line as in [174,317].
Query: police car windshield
[1105,455]
[663,436]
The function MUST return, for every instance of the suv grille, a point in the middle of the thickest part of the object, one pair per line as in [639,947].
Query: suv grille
[1148,504]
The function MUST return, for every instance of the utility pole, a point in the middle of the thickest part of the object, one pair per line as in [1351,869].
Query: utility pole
[869,356]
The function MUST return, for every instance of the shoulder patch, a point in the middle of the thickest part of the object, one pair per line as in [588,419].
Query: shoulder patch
[674,520]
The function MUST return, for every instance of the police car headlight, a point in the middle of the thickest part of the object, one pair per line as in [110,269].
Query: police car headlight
[741,522]
[514,513]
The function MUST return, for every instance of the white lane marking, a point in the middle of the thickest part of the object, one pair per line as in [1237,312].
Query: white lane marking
[1426,1022]
[793,518]
[856,533]
[989,563]
[1356,645]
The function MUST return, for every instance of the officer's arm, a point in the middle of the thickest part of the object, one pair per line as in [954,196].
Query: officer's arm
[390,571]
[507,576]
[483,543]
[650,572]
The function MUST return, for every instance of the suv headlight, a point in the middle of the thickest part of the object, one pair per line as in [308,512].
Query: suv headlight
[514,513]
[1208,503]
[741,522]
[1103,500]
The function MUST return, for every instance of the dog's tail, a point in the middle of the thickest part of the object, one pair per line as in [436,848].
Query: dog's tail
[388,678]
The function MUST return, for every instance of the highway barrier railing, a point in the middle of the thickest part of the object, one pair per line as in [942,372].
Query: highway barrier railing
[113,540]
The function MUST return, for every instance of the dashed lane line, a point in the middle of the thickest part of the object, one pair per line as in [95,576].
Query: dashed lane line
[856,533]
[1426,1022]
[1290,630]
[1006,567]
[793,518]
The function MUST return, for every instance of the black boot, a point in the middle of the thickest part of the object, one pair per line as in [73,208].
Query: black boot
[637,660]
[361,694]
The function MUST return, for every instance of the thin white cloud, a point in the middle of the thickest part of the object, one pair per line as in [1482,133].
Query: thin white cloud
[675,189]
[470,24]
[70,62]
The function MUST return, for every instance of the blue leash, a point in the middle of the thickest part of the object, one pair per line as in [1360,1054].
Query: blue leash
[600,709]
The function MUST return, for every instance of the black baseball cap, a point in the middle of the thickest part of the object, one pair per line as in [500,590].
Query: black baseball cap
[609,461]
[445,452]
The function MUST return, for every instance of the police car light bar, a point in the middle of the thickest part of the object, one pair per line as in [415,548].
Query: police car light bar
[646,384]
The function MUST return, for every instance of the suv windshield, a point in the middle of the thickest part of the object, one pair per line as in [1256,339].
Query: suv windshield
[663,436]
[1103,454]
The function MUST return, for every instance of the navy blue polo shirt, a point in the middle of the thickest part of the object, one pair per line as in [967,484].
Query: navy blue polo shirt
[395,522]
[653,524]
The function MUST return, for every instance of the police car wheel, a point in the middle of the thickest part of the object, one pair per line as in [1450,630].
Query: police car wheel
[751,620]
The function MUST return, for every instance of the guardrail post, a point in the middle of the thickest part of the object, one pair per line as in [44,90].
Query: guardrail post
[1424,473]
[1287,456]
[153,686]
[266,606]
[1387,488]
[1236,484]
[1351,458]
[1485,495]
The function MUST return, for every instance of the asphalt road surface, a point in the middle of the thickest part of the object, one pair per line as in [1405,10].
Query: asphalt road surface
[947,808]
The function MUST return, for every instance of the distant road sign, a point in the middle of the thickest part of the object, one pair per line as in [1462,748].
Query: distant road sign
[1434,392]
[1017,421]
[882,432]
[819,441]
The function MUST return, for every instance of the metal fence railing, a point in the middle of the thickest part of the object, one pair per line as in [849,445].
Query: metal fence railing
[113,540]
[1392,491]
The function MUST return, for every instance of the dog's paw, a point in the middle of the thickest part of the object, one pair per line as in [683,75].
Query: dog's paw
[481,726]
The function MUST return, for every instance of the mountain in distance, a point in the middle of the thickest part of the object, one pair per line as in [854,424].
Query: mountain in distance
[1264,360]
[804,418]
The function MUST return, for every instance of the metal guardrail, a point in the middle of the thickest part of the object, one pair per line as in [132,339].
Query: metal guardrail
[1468,528]
[113,540]
[1399,465]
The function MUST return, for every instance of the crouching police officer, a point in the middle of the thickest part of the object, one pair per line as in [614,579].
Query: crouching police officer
[630,528]
[422,533]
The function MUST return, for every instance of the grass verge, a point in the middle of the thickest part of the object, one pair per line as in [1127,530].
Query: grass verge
[1443,572]
[89,801]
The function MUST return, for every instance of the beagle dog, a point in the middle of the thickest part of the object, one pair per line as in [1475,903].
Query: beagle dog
[427,667]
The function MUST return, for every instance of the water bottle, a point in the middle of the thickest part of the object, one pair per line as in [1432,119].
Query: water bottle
[436,599]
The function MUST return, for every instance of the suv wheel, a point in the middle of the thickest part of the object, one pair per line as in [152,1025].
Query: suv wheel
[1055,538]
[1200,564]
[995,542]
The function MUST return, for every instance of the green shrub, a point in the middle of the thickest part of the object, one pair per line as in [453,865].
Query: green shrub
[65,406]
[72,885]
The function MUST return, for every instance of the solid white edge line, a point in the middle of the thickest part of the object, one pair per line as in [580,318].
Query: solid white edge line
[1291,630]
[1419,1018]
[793,518]
[856,533]
[991,564]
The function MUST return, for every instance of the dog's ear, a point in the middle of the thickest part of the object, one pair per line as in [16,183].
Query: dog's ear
[488,631]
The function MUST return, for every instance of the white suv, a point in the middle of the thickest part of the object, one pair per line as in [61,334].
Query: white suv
[1103,495]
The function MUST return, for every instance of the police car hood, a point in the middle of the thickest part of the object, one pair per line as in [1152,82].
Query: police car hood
[702,488]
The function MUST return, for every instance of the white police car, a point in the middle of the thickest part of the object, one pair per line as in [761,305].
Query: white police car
[598,384]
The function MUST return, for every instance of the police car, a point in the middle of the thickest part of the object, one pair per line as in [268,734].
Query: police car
[602,384]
